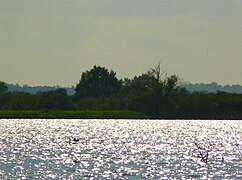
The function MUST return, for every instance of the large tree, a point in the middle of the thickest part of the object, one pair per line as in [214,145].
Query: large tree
[98,82]
[162,85]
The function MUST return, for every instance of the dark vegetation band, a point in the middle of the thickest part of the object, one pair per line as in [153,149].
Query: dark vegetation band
[153,94]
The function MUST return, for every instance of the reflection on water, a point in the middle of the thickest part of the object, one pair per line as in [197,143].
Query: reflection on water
[127,149]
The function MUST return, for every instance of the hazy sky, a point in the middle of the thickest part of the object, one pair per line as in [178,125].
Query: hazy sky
[51,42]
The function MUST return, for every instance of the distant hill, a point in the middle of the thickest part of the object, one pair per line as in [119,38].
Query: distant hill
[36,89]
[212,87]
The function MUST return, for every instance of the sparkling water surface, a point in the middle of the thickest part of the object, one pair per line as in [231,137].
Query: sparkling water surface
[120,149]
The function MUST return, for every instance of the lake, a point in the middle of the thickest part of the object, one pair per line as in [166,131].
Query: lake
[120,149]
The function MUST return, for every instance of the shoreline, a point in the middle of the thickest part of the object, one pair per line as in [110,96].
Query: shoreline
[94,114]
[70,114]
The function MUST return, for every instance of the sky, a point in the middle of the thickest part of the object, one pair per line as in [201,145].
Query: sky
[51,42]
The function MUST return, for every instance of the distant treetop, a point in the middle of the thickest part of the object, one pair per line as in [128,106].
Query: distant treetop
[98,82]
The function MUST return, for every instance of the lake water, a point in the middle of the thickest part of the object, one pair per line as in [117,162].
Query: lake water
[120,149]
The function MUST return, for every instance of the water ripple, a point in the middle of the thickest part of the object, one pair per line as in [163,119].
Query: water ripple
[120,149]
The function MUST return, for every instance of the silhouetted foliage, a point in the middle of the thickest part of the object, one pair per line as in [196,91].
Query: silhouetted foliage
[98,82]
[162,86]
[57,99]
[153,93]
[5,98]
[17,101]
[3,87]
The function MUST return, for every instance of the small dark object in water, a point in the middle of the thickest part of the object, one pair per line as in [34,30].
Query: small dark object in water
[75,140]
[203,155]
[76,161]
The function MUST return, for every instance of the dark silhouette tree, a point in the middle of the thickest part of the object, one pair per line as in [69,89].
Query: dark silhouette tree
[3,87]
[162,85]
[97,82]
[137,94]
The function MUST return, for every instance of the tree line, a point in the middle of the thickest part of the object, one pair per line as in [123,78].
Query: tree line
[153,93]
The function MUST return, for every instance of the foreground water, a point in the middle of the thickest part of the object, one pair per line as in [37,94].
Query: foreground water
[120,149]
